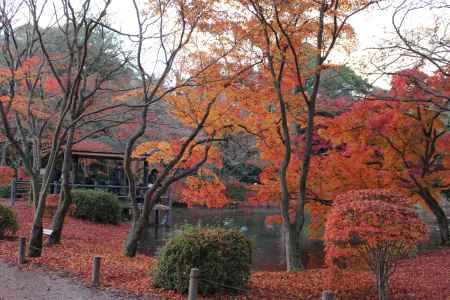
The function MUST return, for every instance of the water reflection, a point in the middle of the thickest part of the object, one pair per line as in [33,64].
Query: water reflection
[268,250]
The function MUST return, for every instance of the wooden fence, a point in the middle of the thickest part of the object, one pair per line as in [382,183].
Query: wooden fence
[21,189]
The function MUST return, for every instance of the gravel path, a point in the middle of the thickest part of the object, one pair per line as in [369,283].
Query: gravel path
[16,284]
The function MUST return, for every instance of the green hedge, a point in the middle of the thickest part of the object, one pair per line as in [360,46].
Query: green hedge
[5,191]
[8,222]
[96,206]
[222,256]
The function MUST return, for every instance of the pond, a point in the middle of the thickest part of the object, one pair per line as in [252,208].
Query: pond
[268,252]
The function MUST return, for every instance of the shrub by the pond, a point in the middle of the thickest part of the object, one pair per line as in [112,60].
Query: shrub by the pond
[223,256]
[96,206]
[8,222]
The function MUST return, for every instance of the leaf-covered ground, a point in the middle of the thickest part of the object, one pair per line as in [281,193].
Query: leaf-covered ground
[425,277]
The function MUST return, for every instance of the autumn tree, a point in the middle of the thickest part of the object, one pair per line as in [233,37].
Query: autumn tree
[48,91]
[28,97]
[418,59]
[179,27]
[202,112]
[98,63]
[294,42]
[410,46]
[394,143]
[376,228]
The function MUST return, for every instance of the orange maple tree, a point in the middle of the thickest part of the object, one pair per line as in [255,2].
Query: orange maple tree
[202,111]
[293,42]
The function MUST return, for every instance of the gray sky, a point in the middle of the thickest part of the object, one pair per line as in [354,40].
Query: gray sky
[371,27]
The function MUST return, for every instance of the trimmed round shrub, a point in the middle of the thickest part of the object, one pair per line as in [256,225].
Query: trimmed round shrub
[8,222]
[96,206]
[222,255]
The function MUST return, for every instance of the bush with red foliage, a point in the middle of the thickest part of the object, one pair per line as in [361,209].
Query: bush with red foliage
[6,175]
[377,228]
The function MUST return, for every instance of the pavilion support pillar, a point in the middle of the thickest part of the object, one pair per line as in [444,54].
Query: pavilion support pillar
[73,171]
[145,179]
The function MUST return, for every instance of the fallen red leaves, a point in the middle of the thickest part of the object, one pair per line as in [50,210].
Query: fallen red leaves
[425,277]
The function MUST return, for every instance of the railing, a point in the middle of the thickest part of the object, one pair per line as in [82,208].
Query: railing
[19,188]
[23,187]
[120,190]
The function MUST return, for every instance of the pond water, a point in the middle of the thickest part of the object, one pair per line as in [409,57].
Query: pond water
[268,252]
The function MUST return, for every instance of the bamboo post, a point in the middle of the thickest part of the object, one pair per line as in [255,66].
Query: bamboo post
[328,295]
[96,271]
[193,284]
[21,254]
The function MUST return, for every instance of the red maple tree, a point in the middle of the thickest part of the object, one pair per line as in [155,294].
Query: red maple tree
[374,227]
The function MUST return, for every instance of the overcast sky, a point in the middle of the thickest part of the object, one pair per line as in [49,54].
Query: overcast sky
[371,27]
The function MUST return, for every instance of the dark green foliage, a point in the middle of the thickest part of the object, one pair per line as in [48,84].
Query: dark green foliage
[243,172]
[8,222]
[222,256]
[96,206]
[343,82]
[236,192]
[5,191]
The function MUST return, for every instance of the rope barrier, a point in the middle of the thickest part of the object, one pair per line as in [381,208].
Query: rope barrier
[248,291]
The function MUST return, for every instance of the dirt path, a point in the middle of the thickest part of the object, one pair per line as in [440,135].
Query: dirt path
[16,284]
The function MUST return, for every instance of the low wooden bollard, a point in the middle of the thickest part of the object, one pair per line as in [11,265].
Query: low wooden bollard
[21,255]
[328,295]
[96,271]
[193,284]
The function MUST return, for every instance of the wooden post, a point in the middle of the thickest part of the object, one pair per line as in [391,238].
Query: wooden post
[13,191]
[193,284]
[96,271]
[22,246]
[328,295]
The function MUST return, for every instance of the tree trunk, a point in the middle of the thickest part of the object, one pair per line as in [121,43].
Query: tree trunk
[292,248]
[303,178]
[293,262]
[35,245]
[139,226]
[35,188]
[3,154]
[65,194]
[382,283]
[439,213]
[127,164]
[132,241]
